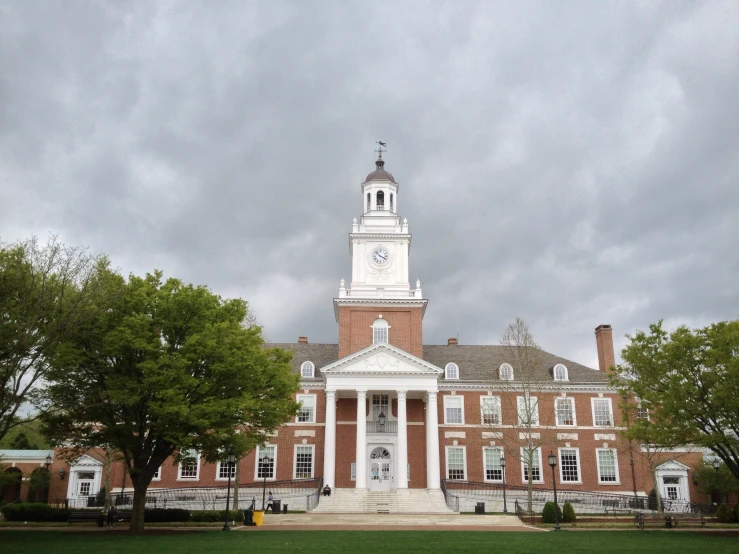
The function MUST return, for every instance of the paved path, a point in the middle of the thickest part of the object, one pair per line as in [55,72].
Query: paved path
[383,522]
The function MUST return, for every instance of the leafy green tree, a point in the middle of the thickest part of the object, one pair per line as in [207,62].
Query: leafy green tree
[688,382]
[711,481]
[167,367]
[46,292]
[21,442]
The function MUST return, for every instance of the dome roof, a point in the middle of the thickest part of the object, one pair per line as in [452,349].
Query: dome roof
[380,174]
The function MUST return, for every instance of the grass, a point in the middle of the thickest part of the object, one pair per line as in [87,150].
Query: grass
[260,541]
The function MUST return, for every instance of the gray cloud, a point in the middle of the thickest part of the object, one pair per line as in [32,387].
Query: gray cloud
[574,164]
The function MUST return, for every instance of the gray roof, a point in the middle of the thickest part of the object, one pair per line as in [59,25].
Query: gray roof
[476,362]
[380,174]
[25,454]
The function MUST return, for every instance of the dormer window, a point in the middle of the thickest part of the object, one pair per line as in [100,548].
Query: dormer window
[380,200]
[505,372]
[380,331]
[452,371]
[307,369]
[560,373]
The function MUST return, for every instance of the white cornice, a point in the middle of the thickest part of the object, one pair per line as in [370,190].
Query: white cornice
[424,368]
[380,303]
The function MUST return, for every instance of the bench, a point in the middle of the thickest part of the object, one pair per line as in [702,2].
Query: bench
[94,516]
[688,518]
[669,520]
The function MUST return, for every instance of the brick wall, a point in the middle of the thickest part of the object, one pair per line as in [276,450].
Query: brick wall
[355,328]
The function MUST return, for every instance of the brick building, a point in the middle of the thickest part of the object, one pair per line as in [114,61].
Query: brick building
[383,412]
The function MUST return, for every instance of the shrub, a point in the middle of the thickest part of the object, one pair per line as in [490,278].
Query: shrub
[165,515]
[724,514]
[568,513]
[214,516]
[32,511]
[736,512]
[548,514]
[652,500]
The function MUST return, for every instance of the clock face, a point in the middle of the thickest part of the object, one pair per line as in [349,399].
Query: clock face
[380,256]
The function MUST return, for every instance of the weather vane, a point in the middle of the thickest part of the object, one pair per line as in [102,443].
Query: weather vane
[380,150]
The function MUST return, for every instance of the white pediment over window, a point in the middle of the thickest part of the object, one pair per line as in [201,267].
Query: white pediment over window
[86,460]
[673,465]
[383,359]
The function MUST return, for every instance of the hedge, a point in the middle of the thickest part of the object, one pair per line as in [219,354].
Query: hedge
[34,511]
[547,514]
[724,514]
[213,516]
[568,513]
[166,515]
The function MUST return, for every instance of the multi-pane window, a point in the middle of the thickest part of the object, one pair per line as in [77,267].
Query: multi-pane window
[565,408]
[307,410]
[266,470]
[535,466]
[528,410]
[506,372]
[568,465]
[493,469]
[560,372]
[455,466]
[453,409]
[380,331]
[189,465]
[157,474]
[307,369]
[452,371]
[304,462]
[607,465]
[85,488]
[226,470]
[490,408]
[642,412]
[602,414]
[380,403]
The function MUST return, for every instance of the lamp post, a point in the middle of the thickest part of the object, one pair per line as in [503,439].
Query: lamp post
[47,463]
[230,461]
[381,420]
[716,466]
[266,460]
[553,464]
[502,467]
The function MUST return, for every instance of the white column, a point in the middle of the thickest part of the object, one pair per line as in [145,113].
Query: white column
[402,479]
[329,449]
[361,458]
[433,469]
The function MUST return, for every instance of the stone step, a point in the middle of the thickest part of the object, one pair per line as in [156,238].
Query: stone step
[419,501]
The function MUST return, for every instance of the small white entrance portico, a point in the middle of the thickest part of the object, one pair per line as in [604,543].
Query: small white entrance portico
[379,374]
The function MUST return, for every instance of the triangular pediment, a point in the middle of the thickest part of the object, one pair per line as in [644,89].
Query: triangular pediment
[86,460]
[673,465]
[382,359]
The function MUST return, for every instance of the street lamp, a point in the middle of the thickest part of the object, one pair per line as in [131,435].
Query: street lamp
[502,466]
[230,461]
[553,464]
[265,461]
[48,462]
[716,466]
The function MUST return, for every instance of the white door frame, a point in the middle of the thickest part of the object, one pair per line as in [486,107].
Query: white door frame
[385,480]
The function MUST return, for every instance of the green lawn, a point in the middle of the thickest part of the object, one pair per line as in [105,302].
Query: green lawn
[53,542]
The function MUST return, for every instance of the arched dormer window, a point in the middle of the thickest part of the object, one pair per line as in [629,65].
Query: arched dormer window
[380,200]
[380,331]
[505,372]
[560,372]
[391,202]
[307,369]
[451,371]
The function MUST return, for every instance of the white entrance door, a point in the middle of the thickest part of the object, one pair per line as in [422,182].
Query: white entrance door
[672,493]
[380,472]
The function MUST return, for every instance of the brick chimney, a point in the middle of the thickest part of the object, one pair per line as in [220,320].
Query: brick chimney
[604,342]
[305,340]
[452,342]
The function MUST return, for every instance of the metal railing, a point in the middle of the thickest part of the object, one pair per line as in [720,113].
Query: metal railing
[389,428]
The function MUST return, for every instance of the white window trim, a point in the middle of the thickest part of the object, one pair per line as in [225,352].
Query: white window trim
[500,409]
[197,471]
[157,475]
[461,400]
[554,372]
[523,471]
[615,462]
[315,409]
[484,465]
[592,412]
[579,464]
[571,400]
[312,463]
[446,371]
[218,471]
[518,411]
[500,372]
[387,329]
[274,464]
[305,365]
[446,461]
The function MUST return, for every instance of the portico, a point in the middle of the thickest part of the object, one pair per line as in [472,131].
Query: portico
[376,376]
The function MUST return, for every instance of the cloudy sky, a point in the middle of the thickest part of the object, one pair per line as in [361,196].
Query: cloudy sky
[571,163]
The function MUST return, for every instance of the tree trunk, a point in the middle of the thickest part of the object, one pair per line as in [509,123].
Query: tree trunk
[236,487]
[139,502]
[107,480]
